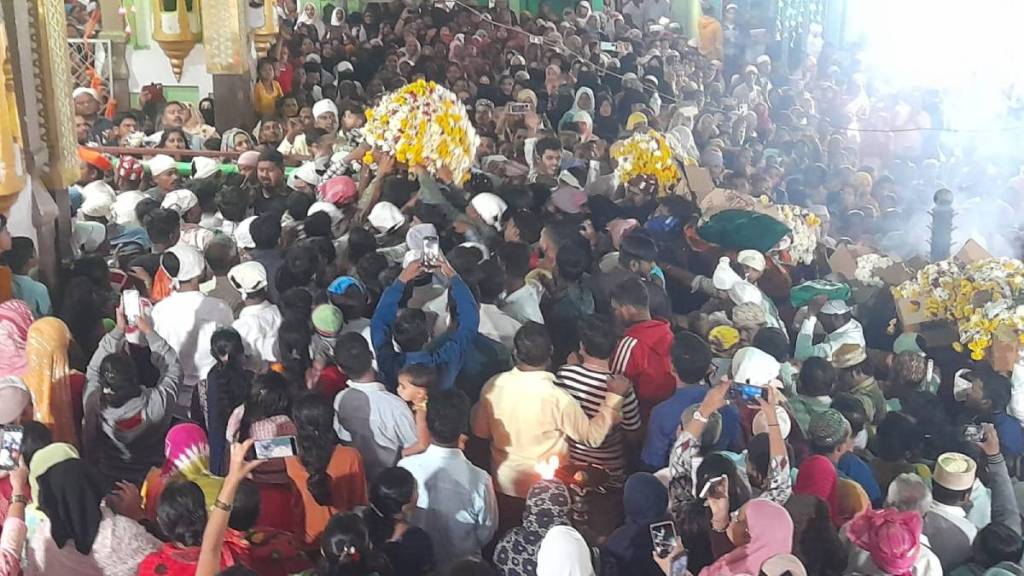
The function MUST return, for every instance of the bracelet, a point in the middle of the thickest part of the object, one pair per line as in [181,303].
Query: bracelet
[19,499]
[776,425]
[222,505]
[722,530]
[699,417]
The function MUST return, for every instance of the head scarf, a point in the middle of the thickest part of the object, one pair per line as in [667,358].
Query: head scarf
[645,501]
[187,456]
[14,398]
[563,552]
[69,493]
[890,536]
[47,377]
[771,534]
[227,141]
[817,477]
[314,20]
[15,318]
[547,506]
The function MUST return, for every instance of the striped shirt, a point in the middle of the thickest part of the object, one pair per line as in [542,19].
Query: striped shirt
[589,387]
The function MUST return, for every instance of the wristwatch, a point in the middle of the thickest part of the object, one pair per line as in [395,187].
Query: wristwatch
[699,417]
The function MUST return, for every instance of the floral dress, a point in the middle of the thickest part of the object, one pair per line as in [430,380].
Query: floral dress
[547,506]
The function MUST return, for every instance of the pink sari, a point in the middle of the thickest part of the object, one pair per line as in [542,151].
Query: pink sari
[15,318]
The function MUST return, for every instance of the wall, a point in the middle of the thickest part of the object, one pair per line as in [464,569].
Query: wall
[151,65]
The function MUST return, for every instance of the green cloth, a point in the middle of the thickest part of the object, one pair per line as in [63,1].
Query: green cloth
[327,319]
[800,295]
[743,230]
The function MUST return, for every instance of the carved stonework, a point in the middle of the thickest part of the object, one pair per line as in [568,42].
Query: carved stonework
[12,176]
[227,50]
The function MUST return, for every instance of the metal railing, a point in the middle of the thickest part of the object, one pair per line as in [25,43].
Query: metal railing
[91,58]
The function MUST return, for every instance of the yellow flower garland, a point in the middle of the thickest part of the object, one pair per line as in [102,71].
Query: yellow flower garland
[646,154]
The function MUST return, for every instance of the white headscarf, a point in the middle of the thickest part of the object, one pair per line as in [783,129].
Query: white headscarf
[563,552]
[314,20]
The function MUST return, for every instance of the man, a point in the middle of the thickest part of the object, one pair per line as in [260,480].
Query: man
[813,391]
[546,161]
[265,233]
[188,318]
[949,531]
[164,171]
[638,256]
[270,134]
[125,125]
[186,204]
[174,115]
[691,366]
[522,298]
[586,380]
[986,402]
[272,194]
[456,503]
[712,41]
[856,376]
[749,92]
[83,131]
[221,255]
[259,321]
[494,323]
[93,166]
[325,114]
[528,418]
[400,338]
[21,258]
[643,354]
[87,105]
[376,422]
[837,322]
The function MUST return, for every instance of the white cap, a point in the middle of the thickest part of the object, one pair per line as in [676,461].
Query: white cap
[490,207]
[752,259]
[204,167]
[760,423]
[243,238]
[744,292]
[385,217]
[83,90]
[763,59]
[248,277]
[324,106]
[97,199]
[123,209]
[180,201]
[161,163]
[89,235]
[753,366]
[333,211]
[306,173]
[725,277]
[191,263]
[343,67]
[835,307]
[414,237]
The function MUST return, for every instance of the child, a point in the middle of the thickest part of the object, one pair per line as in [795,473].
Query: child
[22,258]
[414,384]
[267,91]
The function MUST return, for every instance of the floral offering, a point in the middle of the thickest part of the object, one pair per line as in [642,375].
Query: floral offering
[868,268]
[646,154]
[803,236]
[424,125]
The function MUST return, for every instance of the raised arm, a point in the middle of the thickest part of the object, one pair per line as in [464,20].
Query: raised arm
[387,308]
[1004,501]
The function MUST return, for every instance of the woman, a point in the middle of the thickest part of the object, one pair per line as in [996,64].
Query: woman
[606,125]
[181,517]
[187,459]
[564,552]
[174,139]
[889,542]
[584,102]
[329,476]
[311,17]
[236,140]
[547,506]
[226,387]
[347,550]
[56,393]
[15,319]
[71,530]
[817,477]
[645,501]
[815,541]
[762,529]
[392,499]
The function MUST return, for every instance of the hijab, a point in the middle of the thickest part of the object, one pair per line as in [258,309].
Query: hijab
[893,538]
[568,116]
[227,141]
[564,552]
[771,534]
[313,20]
[547,506]
[47,377]
[15,319]
[69,493]
[645,501]
[817,476]
[187,456]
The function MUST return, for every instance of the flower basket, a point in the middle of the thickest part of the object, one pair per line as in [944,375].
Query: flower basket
[646,154]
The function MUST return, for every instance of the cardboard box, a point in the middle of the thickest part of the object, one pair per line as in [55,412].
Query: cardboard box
[971,252]
[1005,348]
[911,312]
[699,182]
[896,274]
[844,260]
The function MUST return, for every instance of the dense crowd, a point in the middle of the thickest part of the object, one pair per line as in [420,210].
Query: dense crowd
[312,356]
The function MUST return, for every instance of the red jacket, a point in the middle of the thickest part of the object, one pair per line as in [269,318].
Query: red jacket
[643,355]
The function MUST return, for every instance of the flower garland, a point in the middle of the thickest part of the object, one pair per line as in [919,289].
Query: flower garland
[803,237]
[423,124]
[868,267]
[646,154]
[981,298]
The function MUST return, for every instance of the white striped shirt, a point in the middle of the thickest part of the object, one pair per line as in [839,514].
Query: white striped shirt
[589,387]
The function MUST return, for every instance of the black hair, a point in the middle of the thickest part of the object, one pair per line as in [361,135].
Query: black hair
[118,380]
[20,254]
[271,155]
[294,338]
[490,279]
[545,144]
[470,567]
[572,261]
[759,453]
[237,570]
[162,226]
[220,254]
[317,225]
[314,421]
[245,509]
[630,292]
[344,533]
[465,259]
[448,416]
[228,378]
[772,341]
[528,224]
[34,437]
[233,203]
[515,257]
[715,465]
[533,345]
[144,208]
[420,375]
[269,397]
[852,409]
[995,388]
[360,243]
[298,204]
[897,437]
[167,134]
[266,230]
[637,246]
[352,354]
[691,357]
[598,335]
[817,377]
[181,513]
[391,491]
[411,331]
[298,269]
[997,543]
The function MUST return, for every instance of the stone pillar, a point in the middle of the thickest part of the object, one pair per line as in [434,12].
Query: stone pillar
[112,23]
[226,38]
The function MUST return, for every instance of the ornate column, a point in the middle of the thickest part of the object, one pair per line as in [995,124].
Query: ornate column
[227,58]
[113,29]
[263,21]
[176,28]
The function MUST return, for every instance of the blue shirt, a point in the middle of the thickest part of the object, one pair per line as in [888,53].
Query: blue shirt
[852,467]
[1011,436]
[32,293]
[664,422]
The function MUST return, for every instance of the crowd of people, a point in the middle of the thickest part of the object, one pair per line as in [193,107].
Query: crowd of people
[308,357]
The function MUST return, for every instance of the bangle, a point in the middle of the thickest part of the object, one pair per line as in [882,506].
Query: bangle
[222,505]
[19,499]
[776,425]
[699,417]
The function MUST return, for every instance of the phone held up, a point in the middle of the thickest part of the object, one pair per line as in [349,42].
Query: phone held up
[663,536]
[10,446]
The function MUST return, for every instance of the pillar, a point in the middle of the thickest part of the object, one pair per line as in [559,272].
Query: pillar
[226,38]
[113,29]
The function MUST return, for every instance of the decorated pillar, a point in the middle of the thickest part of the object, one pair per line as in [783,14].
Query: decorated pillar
[227,59]
[263,21]
[177,29]
[112,18]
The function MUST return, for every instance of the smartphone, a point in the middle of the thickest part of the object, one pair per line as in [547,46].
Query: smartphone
[431,252]
[609,47]
[747,392]
[972,433]
[663,535]
[518,107]
[10,447]
[280,447]
[132,303]
[709,485]
[962,384]
[534,39]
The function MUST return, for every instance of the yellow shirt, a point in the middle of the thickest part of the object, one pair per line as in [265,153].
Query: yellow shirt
[265,101]
[527,418]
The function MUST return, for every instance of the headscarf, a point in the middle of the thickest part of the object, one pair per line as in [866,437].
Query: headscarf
[564,552]
[187,456]
[14,398]
[15,319]
[771,534]
[571,114]
[817,477]
[69,493]
[47,377]
[893,538]
[645,501]
[313,20]
[547,506]
[227,141]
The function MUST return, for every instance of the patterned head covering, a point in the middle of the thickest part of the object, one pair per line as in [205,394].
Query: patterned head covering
[547,506]
[892,538]
[47,377]
[15,318]
[187,456]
